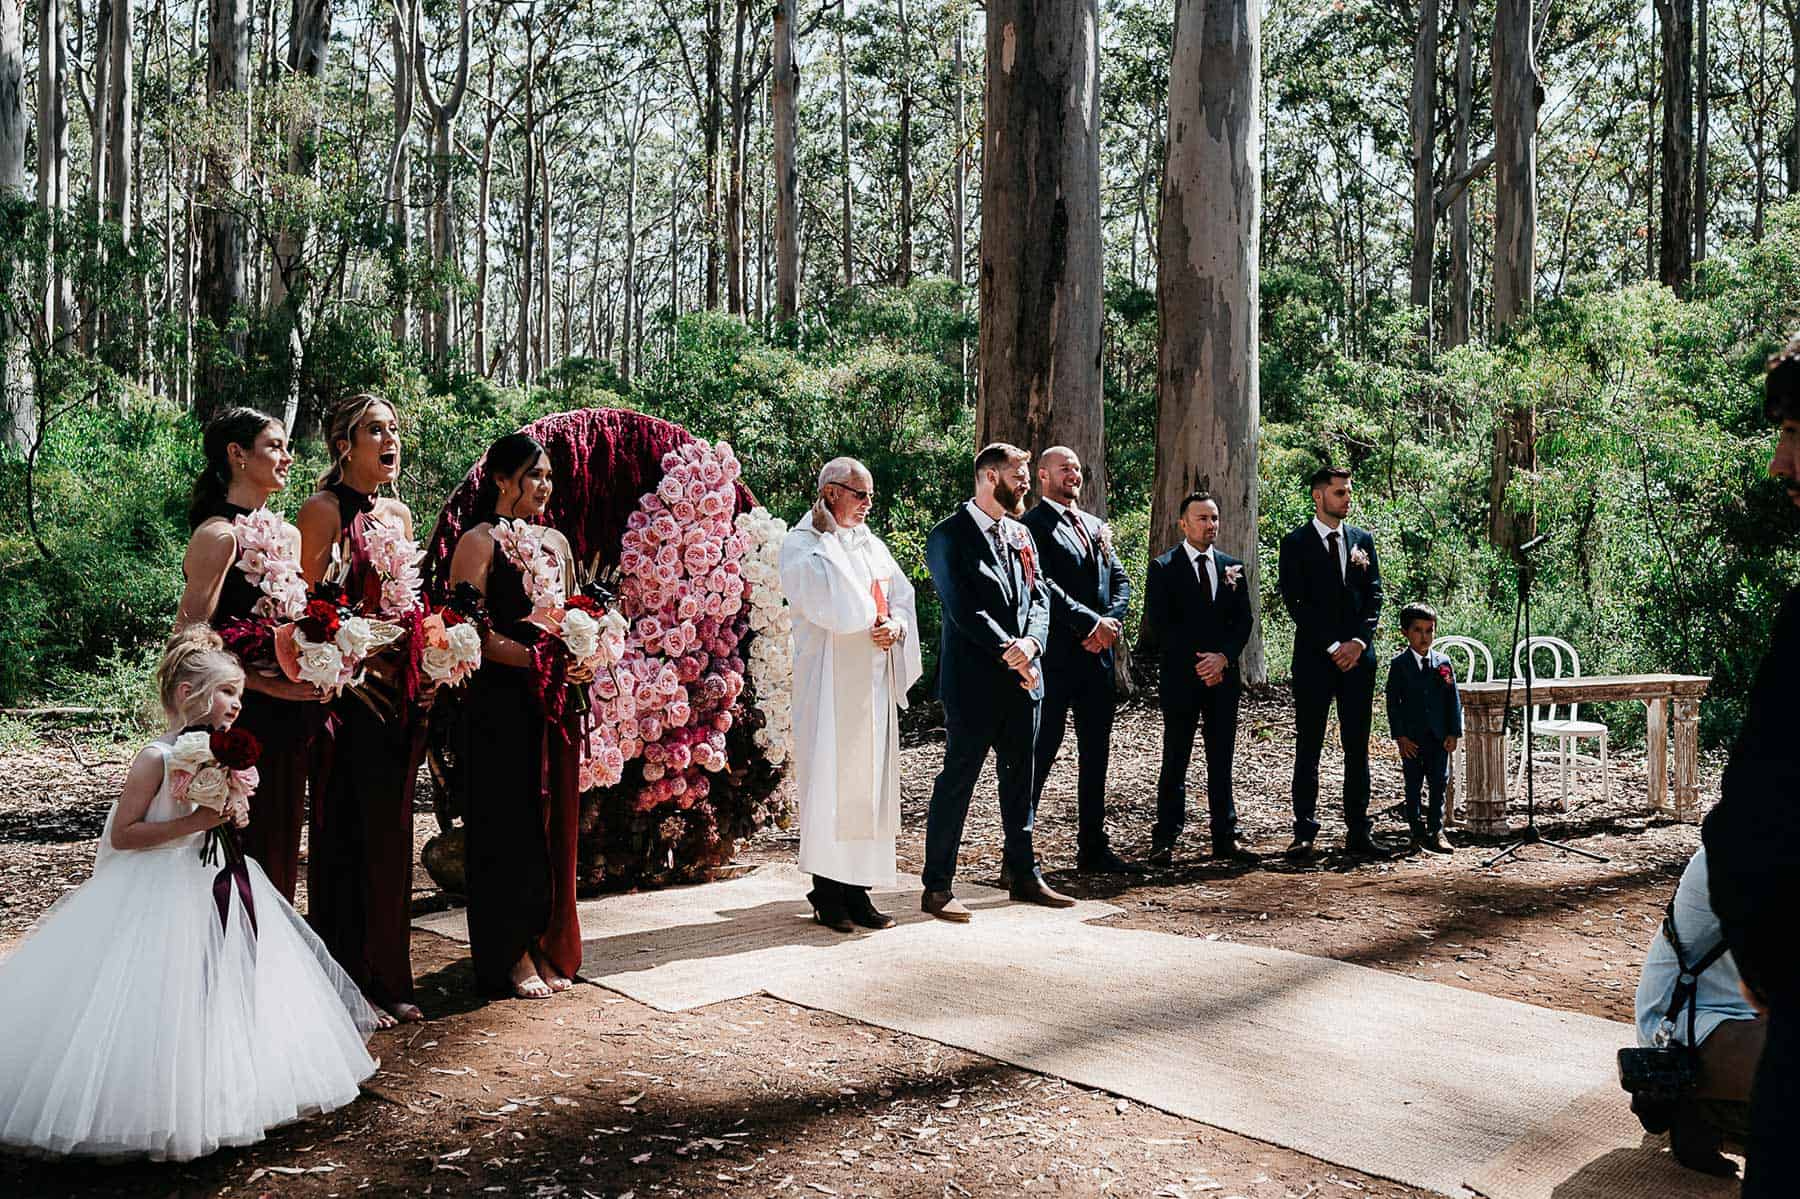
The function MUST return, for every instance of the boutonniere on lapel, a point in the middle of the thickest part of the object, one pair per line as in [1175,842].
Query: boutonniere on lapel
[1359,558]
[1020,540]
[1233,573]
[1445,673]
[1105,538]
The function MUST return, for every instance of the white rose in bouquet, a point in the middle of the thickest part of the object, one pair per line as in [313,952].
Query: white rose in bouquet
[438,661]
[190,753]
[465,642]
[581,633]
[209,788]
[321,664]
[356,637]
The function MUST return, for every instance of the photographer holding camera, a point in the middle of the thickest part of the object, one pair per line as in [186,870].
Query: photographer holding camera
[1699,1037]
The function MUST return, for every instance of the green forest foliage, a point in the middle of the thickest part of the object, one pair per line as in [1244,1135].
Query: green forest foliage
[1669,549]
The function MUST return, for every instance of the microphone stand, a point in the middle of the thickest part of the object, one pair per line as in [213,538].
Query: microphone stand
[1522,609]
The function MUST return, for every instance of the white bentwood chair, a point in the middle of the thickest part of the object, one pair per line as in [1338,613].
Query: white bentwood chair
[1476,666]
[1560,721]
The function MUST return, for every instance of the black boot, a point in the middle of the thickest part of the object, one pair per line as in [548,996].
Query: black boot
[863,911]
[827,899]
[1695,1143]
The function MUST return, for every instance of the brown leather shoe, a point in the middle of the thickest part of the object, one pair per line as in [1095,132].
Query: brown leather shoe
[944,906]
[1437,843]
[1036,890]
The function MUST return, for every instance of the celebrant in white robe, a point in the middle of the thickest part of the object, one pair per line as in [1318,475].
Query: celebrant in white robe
[856,651]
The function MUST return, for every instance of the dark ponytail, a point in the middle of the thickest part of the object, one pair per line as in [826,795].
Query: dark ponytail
[233,426]
[504,459]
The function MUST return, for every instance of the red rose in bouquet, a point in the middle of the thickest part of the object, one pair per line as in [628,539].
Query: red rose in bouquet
[322,620]
[235,749]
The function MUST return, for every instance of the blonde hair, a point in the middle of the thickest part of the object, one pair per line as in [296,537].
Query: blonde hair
[196,657]
[342,427]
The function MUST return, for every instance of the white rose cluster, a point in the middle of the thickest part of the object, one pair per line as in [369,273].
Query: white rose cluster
[772,649]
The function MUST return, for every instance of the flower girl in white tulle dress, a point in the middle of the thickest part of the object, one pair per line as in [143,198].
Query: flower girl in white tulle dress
[169,1006]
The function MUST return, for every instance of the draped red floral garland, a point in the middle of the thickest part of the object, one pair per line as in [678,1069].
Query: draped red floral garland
[645,828]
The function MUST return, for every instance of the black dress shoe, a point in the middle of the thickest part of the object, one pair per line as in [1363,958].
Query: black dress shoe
[1006,878]
[827,899]
[1104,861]
[1366,846]
[1036,890]
[863,911]
[837,920]
[1299,849]
[1231,851]
[1162,855]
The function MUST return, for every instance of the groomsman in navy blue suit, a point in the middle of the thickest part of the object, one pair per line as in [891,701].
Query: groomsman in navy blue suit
[1197,603]
[996,617]
[1330,584]
[1088,593]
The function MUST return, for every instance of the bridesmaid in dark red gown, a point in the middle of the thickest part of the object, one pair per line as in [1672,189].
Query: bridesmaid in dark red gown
[359,871]
[247,461]
[522,809]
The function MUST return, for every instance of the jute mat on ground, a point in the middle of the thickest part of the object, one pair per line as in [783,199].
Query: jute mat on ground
[1425,1084]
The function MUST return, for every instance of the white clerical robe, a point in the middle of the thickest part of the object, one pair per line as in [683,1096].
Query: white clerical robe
[847,696]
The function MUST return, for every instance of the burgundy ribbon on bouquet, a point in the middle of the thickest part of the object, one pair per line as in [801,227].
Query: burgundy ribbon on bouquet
[234,871]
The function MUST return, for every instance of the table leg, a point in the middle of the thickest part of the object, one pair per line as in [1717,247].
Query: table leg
[1656,755]
[1486,748]
[1687,759]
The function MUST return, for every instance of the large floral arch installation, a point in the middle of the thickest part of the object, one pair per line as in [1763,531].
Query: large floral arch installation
[688,734]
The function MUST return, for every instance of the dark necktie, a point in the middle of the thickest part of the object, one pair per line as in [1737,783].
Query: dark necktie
[1203,572]
[1080,531]
[1331,541]
[1000,556]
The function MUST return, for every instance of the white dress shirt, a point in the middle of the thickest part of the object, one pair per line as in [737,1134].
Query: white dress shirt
[1212,566]
[1343,551]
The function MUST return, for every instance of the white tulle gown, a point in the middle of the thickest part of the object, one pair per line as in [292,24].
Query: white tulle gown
[136,1025]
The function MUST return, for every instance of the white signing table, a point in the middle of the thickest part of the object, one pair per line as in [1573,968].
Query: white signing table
[1674,704]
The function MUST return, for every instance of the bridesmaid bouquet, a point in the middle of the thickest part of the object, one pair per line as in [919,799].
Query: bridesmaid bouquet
[216,769]
[452,648]
[329,644]
[593,634]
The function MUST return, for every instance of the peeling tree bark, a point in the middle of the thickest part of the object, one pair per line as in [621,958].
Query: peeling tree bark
[1208,409]
[1040,235]
[1518,94]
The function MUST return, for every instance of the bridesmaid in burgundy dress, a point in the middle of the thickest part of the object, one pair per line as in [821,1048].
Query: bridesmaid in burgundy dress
[359,870]
[242,561]
[522,806]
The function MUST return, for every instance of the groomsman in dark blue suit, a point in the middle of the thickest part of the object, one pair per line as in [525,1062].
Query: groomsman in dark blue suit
[1197,604]
[1330,584]
[1088,593]
[996,618]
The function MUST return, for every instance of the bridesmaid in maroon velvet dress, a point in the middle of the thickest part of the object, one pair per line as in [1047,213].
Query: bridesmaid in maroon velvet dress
[247,461]
[359,871]
[522,808]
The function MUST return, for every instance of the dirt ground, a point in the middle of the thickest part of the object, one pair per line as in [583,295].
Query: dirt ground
[591,1094]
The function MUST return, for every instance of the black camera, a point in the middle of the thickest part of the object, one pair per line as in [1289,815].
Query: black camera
[1660,1075]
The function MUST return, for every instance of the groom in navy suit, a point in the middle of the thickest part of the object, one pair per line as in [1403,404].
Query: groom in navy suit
[1088,593]
[1330,584]
[1197,603]
[996,617]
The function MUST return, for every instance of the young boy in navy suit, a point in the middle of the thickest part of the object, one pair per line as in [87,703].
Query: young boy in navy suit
[1425,719]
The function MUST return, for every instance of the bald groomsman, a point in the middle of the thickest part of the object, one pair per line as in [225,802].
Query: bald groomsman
[1088,593]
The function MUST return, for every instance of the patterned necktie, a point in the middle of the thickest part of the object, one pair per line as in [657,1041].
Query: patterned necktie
[1000,555]
[1080,532]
